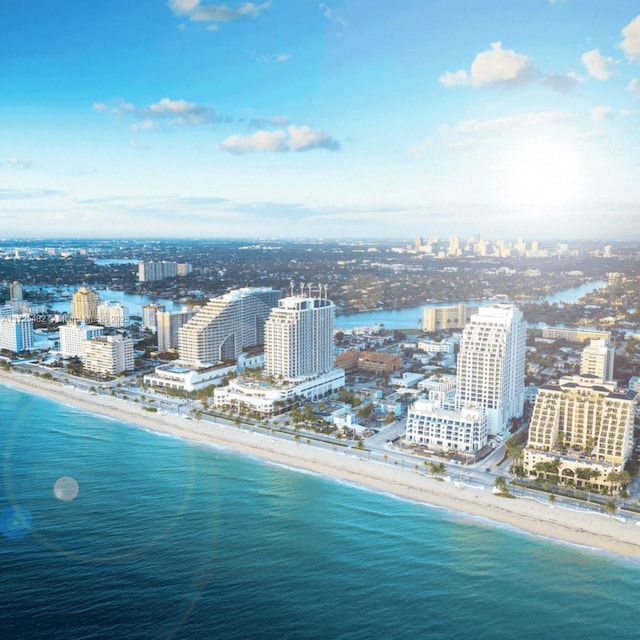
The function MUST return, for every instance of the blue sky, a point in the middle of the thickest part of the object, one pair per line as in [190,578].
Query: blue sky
[298,118]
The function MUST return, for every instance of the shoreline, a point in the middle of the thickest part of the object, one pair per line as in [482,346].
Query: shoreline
[587,530]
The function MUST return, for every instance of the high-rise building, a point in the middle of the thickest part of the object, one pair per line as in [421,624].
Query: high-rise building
[299,338]
[597,360]
[150,271]
[169,323]
[441,318]
[15,291]
[149,315]
[109,354]
[299,357]
[16,333]
[454,246]
[226,326]
[73,336]
[84,305]
[112,314]
[583,425]
[490,372]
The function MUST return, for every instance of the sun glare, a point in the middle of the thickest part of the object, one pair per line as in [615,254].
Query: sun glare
[541,173]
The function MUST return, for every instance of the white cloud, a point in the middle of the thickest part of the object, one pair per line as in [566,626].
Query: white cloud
[634,86]
[258,141]
[631,41]
[522,121]
[455,79]
[600,113]
[491,67]
[144,125]
[116,107]
[212,14]
[294,138]
[138,144]
[597,65]
[175,112]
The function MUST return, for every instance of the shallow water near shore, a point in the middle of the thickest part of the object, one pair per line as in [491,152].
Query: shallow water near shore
[167,539]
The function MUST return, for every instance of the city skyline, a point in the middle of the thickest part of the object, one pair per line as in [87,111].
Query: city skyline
[189,118]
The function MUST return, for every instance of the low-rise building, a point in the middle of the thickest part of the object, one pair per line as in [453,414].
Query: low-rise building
[268,397]
[184,378]
[440,429]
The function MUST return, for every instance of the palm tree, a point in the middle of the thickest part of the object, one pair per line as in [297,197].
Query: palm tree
[610,507]
[501,486]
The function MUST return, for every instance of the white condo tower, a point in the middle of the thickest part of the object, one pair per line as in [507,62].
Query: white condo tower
[299,338]
[491,365]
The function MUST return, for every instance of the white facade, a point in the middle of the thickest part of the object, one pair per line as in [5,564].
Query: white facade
[263,398]
[112,314]
[226,326]
[168,325]
[149,315]
[490,372]
[299,338]
[109,354]
[149,271]
[16,333]
[73,337]
[175,376]
[597,360]
[435,347]
[430,425]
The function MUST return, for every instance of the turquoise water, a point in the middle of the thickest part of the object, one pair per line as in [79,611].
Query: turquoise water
[172,540]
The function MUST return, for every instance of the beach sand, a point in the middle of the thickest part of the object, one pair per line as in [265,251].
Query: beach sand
[538,518]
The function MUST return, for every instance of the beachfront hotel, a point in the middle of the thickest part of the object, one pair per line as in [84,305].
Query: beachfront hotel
[299,358]
[583,425]
[433,425]
[226,326]
[489,387]
[299,338]
[490,370]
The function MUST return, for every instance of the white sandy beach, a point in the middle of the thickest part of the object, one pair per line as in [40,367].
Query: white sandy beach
[576,527]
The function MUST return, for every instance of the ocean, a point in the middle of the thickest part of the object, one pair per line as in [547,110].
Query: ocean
[110,531]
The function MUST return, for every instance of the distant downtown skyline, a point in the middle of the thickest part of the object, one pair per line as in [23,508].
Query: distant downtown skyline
[191,118]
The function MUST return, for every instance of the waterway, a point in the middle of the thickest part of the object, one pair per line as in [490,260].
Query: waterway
[411,318]
[131,301]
